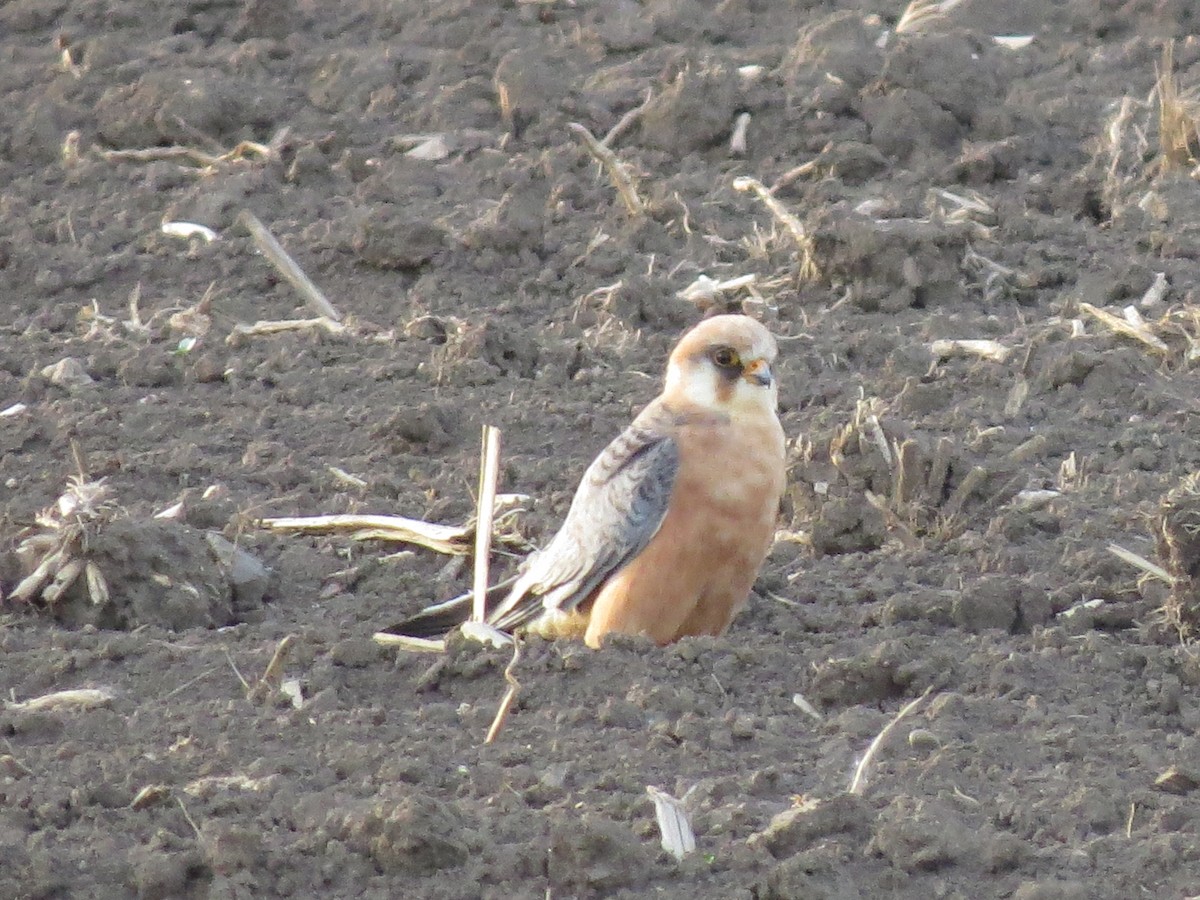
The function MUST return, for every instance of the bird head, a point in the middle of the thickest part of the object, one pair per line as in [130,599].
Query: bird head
[724,365]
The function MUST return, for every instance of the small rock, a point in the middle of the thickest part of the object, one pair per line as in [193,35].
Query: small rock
[693,113]
[1004,853]
[801,826]
[388,238]
[1051,890]
[68,372]
[930,606]
[162,872]
[866,678]
[415,834]
[355,653]
[421,425]
[270,19]
[618,713]
[923,739]
[809,875]
[248,577]
[853,161]
[989,603]
[228,848]
[922,838]
[905,122]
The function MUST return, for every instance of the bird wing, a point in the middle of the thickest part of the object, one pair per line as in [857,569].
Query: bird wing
[436,620]
[618,508]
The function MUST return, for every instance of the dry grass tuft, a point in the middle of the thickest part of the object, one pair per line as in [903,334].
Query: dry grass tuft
[1178,117]
[919,14]
[790,222]
[892,483]
[1177,528]
[54,554]
[1172,337]
[1145,139]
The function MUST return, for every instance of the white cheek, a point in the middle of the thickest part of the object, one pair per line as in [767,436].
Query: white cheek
[701,389]
[755,396]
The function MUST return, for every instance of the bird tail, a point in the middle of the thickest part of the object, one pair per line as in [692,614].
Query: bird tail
[441,618]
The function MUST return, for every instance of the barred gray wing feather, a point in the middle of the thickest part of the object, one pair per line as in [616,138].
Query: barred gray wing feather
[618,508]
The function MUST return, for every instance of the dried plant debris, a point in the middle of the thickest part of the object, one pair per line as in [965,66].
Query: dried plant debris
[85,561]
[74,699]
[858,783]
[674,826]
[876,479]
[789,221]
[1178,117]
[982,349]
[1172,337]
[1147,141]
[920,15]
[54,551]
[707,293]
[1177,528]
[454,540]
[619,174]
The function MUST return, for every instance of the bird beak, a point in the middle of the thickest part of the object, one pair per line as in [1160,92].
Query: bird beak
[758,372]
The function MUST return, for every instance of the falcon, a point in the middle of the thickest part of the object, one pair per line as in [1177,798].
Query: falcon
[672,521]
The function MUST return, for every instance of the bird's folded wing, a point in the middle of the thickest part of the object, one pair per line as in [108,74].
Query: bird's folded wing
[619,506]
[434,621]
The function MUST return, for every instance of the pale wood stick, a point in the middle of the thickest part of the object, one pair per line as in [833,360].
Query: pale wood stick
[489,468]
[287,266]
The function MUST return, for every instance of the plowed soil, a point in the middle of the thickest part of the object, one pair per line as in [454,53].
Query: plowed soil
[945,533]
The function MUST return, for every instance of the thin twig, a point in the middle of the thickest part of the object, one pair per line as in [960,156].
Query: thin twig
[987,349]
[918,13]
[187,684]
[278,326]
[510,695]
[449,539]
[1132,326]
[77,698]
[858,784]
[624,123]
[808,266]
[271,674]
[616,171]
[794,174]
[404,642]
[1141,562]
[489,467]
[187,154]
[190,820]
[233,665]
[287,266]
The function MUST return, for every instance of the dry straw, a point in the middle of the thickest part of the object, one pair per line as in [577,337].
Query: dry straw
[858,783]
[1178,111]
[922,13]
[616,170]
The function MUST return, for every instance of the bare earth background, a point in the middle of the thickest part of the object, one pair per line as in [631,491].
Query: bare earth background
[494,276]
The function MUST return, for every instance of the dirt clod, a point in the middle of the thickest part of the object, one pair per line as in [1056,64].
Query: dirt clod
[599,856]
[413,834]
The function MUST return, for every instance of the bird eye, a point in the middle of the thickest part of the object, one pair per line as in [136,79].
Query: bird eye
[726,358]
